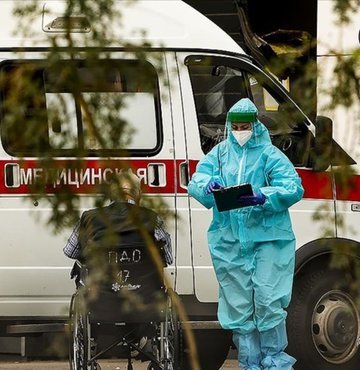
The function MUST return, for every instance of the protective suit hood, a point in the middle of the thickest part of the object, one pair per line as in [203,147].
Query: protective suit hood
[246,108]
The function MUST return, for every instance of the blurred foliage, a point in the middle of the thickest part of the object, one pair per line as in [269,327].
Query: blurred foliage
[344,91]
[295,58]
[102,123]
[108,130]
[345,7]
[347,75]
[65,71]
[303,77]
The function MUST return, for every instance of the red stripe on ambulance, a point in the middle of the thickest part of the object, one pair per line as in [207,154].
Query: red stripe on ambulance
[82,177]
[158,177]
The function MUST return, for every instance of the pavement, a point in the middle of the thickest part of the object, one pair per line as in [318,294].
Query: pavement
[105,365]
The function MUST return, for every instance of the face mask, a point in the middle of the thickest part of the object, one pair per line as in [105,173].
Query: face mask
[242,137]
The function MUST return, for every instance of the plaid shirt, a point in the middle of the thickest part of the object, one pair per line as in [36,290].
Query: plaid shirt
[72,247]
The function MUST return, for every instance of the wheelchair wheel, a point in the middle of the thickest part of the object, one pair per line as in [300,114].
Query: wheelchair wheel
[79,351]
[170,338]
[153,366]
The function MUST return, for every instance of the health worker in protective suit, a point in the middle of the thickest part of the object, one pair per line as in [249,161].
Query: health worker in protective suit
[253,246]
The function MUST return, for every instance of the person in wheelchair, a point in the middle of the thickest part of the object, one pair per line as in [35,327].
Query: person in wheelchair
[125,198]
[116,275]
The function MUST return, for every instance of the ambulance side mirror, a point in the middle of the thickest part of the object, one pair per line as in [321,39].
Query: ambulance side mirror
[323,143]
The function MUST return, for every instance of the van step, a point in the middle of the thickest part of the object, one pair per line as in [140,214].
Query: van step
[204,324]
[36,328]
[62,327]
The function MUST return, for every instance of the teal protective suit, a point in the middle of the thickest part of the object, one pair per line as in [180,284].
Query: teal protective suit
[252,248]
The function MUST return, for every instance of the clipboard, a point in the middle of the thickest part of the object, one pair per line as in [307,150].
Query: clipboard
[227,198]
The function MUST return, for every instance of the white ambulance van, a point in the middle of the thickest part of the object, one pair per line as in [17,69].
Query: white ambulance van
[196,73]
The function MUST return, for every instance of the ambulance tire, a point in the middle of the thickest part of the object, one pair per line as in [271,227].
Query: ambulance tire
[213,346]
[323,322]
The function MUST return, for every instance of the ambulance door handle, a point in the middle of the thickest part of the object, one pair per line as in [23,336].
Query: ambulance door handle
[355,207]
[184,174]
[156,174]
[155,181]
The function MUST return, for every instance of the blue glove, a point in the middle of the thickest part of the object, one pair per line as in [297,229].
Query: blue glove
[214,185]
[252,200]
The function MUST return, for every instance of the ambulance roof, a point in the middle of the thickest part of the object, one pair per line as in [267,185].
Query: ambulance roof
[162,23]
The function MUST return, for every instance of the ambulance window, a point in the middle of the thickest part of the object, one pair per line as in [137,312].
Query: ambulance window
[219,82]
[285,123]
[82,109]
[215,89]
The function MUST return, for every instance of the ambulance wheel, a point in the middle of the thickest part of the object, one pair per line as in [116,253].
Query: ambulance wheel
[323,321]
[213,346]
[153,366]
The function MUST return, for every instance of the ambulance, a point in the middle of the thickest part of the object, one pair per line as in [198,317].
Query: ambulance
[194,73]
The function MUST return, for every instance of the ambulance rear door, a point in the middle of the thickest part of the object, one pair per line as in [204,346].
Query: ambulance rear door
[34,272]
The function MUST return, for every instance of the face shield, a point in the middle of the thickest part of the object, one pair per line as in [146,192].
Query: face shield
[240,120]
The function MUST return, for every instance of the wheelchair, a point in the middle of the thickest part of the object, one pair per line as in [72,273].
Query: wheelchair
[123,296]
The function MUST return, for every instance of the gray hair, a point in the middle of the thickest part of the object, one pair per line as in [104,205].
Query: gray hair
[126,184]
